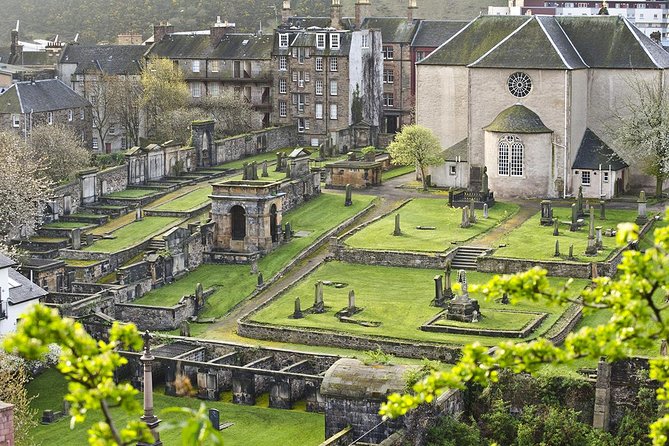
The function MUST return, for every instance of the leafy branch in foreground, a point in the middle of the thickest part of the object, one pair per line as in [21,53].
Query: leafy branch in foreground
[635,298]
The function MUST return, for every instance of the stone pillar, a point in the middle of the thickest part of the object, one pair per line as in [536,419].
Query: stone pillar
[397,230]
[465,217]
[574,217]
[297,312]
[438,291]
[348,201]
[602,210]
[600,419]
[149,418]
[351,301]
[641,218]
[599,242]
[6,424]
[243,388]
[591,250]
[319,304]
[280,393]
[76,238]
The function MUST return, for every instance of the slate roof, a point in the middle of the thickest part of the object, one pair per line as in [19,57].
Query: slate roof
[458,149]
[6,261]
[37,58]
[198,46]
[432,33]
[307,38]
[593,151]
[550,42]
[517,119]
[109,59]
[393,29]
[25,291]
[40,96]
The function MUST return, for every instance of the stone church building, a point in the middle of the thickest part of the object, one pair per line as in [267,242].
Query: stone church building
[529,100]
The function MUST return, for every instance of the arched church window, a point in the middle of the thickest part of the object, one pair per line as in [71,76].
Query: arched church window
[238,217]
[519,84]
[510,156]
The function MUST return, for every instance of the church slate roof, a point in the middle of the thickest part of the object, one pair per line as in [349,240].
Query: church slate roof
[393,29]
[109,59]
[40,96]
[25,291]
[198,46]
[594,152]
[432,33]
[517,119]
[6,261]
[458,149]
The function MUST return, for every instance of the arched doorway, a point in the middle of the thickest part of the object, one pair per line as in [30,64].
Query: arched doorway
[273,224]
[238,217]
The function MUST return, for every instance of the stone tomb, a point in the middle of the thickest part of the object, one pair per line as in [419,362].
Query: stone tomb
[247,215]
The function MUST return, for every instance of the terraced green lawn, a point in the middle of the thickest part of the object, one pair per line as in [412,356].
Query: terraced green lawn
[189,201]
[234,282]
[65,225]
[533,241]
[133,233]
[132,193]
[396,172]
[428,212]
[399,298]
[253,425]
[238,164]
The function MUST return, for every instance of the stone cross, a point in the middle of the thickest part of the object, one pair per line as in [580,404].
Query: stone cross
[264,169]
[599,243]
[462,279]
[579,201]
[438,290]
[465,217]
[557,248]
[641,218]
[591,249]
[574,218]
[351,301]
[277,168]
[602,210]
[348,201]
[297,313]
[319,305]
[472,211]
[138,214]
[485,210]
[448,292]
[397,230]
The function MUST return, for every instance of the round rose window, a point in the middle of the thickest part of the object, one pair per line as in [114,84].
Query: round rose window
[519,84]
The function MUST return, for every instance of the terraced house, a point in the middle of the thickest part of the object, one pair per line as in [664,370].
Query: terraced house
[220,60]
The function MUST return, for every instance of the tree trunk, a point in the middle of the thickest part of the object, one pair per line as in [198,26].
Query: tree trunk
[422,176]
[659,180]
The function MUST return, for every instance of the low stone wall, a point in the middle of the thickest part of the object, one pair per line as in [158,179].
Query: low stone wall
[419,421]
[431,326]
[505,265]
[114,179]
[148,317]
[254,143]
[564,325]
[427,260]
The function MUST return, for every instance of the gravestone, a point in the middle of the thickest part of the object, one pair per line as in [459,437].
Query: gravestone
[438,291]
[472,211]
[254,170]
[546,213]
[321,151]
[602,210]
[138,214]
[215,419]
[76,238]
[184,329]
[245,172]
[288,232]
[505,299]
[465,217]
[199,293]
[351,302]
[462,307]
[397,230]
[261,281]
[319,305]
[264,169]
[475,316]
[90,239]
[484,184]
[348,201]
[557,248]
[67,204]
[579,203]
[254,267]
[556,227]
[574,218]
[277,167]
[571,252]
[591,249]
[599,243]
[297,313]
[448,291]
[288,172]
[641,218]
[485,210]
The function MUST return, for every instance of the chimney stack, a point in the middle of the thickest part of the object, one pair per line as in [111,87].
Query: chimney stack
[219,30]
[410,9]
[335,14]
[285,12]
[361,11]
[161,30]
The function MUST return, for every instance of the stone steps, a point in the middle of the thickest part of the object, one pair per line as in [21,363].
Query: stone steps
[465,257]
[156,244]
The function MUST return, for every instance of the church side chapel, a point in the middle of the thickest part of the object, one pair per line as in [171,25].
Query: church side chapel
[529,98]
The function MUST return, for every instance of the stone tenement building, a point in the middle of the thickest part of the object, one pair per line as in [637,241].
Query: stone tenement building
[219,60]
[528,98]
[45,102]
[82,66]
[323,71]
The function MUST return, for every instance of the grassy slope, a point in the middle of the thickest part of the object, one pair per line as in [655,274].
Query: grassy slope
[189,201]
[253,425]
[426,212]
[397,297]
[533,241]
[234,281]
[132,193]
[132,234]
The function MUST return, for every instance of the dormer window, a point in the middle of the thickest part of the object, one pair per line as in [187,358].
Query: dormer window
[320,41]
[196,66]
[334,41]
[283,40]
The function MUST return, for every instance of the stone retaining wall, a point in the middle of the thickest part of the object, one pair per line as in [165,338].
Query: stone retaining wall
[254,143]
[427,260]
[148,317]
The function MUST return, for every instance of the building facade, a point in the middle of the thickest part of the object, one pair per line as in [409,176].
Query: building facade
[17,295]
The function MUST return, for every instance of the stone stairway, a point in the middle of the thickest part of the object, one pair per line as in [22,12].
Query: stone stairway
[157,244]
[465,257]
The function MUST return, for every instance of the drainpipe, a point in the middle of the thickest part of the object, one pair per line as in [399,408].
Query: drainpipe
[566,138]
[600,181]
[611,183]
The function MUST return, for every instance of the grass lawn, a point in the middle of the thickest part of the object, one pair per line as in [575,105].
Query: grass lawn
[132,193]
[80,263]
[533,241]
[396,172]
[253,425]
[495,319]
[133,234]
[399,298]
[189,201]
[238,164]
[426,212]
[65,225]
[234,282]
[648,239]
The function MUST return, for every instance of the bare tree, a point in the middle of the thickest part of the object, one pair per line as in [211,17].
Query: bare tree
[127,106]
[100,91]
[164,89]
[233,115]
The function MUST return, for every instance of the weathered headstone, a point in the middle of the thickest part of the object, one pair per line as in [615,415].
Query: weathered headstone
[319,305]
[593,270]
[138,214]
[475,316]
[264,169]
[261,281]
[297,313]
[288,172]
[277,167]
[484,184]
[215,419]
[348,201]
[505,299]
[245,171]
[599,242]
[546,213]
[591,249]
[602,210]
[351,301]
[448,291]
[641,218]
[90,239]
[184,329]
[288,232]
[199,292]
[579,203]
[574,218]
[557,248]
[254,267]
[571,252]
[556,227]
[76,238]
[472,211]
[438,290]
[254,170]
[462,280]
[398,230]
[465,217]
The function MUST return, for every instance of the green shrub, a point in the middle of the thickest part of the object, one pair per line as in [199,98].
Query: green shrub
[451,432]
[415,374]
[377,357]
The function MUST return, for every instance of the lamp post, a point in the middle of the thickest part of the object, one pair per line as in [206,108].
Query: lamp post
[149,418]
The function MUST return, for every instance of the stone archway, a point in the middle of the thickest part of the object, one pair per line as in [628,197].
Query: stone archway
[238,222]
